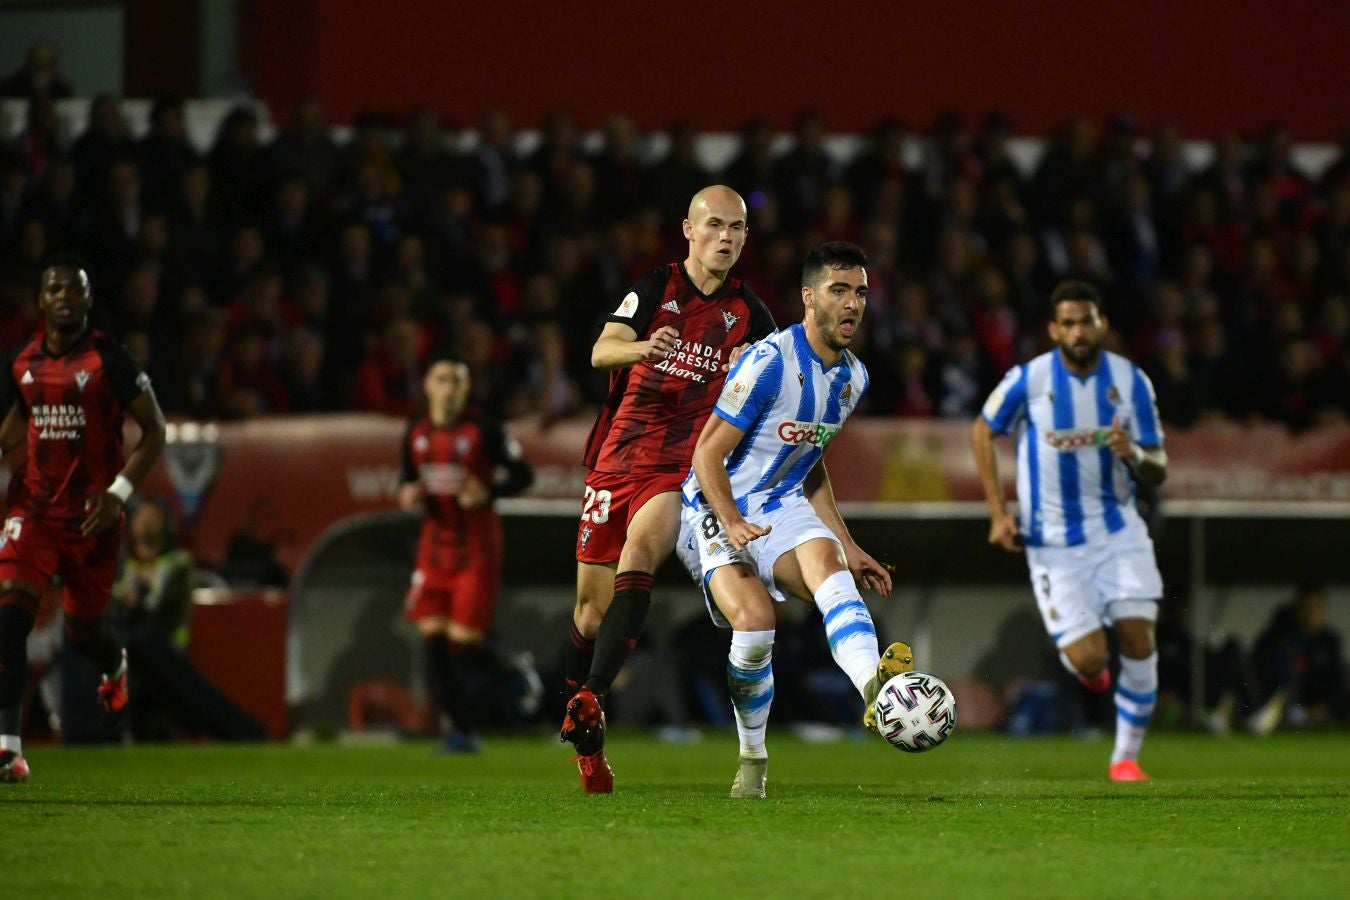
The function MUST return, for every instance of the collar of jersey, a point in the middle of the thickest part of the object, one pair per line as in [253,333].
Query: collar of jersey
[47,351]
[726,281]
[804,346]
[1081,379]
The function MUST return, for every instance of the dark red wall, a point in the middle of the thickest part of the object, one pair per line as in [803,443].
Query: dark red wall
[1205,66]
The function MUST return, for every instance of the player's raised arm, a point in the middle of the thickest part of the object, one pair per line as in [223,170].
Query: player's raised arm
[1002,526]
[718,439]
[820,493]
[618,346]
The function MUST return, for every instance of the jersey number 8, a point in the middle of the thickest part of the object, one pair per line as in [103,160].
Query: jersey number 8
[598,499]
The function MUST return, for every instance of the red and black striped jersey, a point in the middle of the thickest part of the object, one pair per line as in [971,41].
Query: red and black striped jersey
[74,403]
[441,457]
[654,412]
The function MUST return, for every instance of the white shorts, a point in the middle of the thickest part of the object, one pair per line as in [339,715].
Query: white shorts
[1080,589]
[703,546]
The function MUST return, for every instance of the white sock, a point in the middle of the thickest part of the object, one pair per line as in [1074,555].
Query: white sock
[750,681]
[1136,693]
[848,628]
[11,742]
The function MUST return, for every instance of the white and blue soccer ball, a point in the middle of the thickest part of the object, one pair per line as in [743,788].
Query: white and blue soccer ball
[915,711]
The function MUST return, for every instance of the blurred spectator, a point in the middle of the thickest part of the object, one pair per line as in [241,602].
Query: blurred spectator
[680,174]
[1299,660]
[620,183]
[150,607]
[801,176]
[103,142]
[389,378]
[304,149]
[37,143]
[239,174]
[39,76]
[165,153]
[426,167]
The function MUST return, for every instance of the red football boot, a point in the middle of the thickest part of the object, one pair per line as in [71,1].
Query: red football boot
[112,696]
[13,768]
[596,775]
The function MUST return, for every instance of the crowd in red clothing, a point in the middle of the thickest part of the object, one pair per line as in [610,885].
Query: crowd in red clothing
[305,274]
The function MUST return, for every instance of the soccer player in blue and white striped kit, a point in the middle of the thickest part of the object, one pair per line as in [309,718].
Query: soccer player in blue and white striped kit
[760,520]
[1086,425]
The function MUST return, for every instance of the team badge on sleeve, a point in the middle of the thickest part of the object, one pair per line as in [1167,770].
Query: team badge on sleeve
[628,307]
[734,394]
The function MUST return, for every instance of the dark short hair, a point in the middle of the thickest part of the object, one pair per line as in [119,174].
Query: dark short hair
[439,356]
[1075,290]
[62,260]
[832,255]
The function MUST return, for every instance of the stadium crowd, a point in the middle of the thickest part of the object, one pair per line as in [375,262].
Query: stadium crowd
[306,274]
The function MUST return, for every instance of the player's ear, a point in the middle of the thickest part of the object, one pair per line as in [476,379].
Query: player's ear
[808,296]
[688,230]
[1052,329]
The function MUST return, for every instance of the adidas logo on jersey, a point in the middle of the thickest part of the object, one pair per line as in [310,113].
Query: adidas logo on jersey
[672,306]
[730,319]
[27,378]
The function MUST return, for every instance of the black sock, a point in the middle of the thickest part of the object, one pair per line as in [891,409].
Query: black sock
[620,629]
[578,654]
[16,621]
[96,640]
[443,681]
[486,655]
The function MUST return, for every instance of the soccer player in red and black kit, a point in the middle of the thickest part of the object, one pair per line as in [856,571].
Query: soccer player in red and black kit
[668,346]
[454,465]
[71,386]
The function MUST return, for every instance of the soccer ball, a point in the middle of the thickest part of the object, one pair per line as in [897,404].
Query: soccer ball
[915,711]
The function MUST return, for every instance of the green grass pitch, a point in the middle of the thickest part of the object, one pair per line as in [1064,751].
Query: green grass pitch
[983,816]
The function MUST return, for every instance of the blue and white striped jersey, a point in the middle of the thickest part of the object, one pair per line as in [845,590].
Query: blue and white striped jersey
[790,407]
[1071,489]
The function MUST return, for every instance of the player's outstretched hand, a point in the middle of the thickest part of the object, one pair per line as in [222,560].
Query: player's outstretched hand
[104,510]
[1119,440]
[867,571]
[735,355]
[1003,532]
[741,533]
[410,496]
[662,343]
[473,493]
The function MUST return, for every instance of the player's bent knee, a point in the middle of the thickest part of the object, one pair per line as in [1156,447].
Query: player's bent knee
[1087,661]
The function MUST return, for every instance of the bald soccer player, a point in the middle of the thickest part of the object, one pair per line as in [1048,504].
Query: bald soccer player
[667,347]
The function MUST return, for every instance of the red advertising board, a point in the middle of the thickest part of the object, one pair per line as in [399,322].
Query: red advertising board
[284,480]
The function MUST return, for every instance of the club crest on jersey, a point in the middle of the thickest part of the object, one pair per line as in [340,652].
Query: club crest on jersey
[1113,395]
[846,395]
[730,319]
[671,306]
[420,443]
[81,379]
[462,445]
[27,377]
